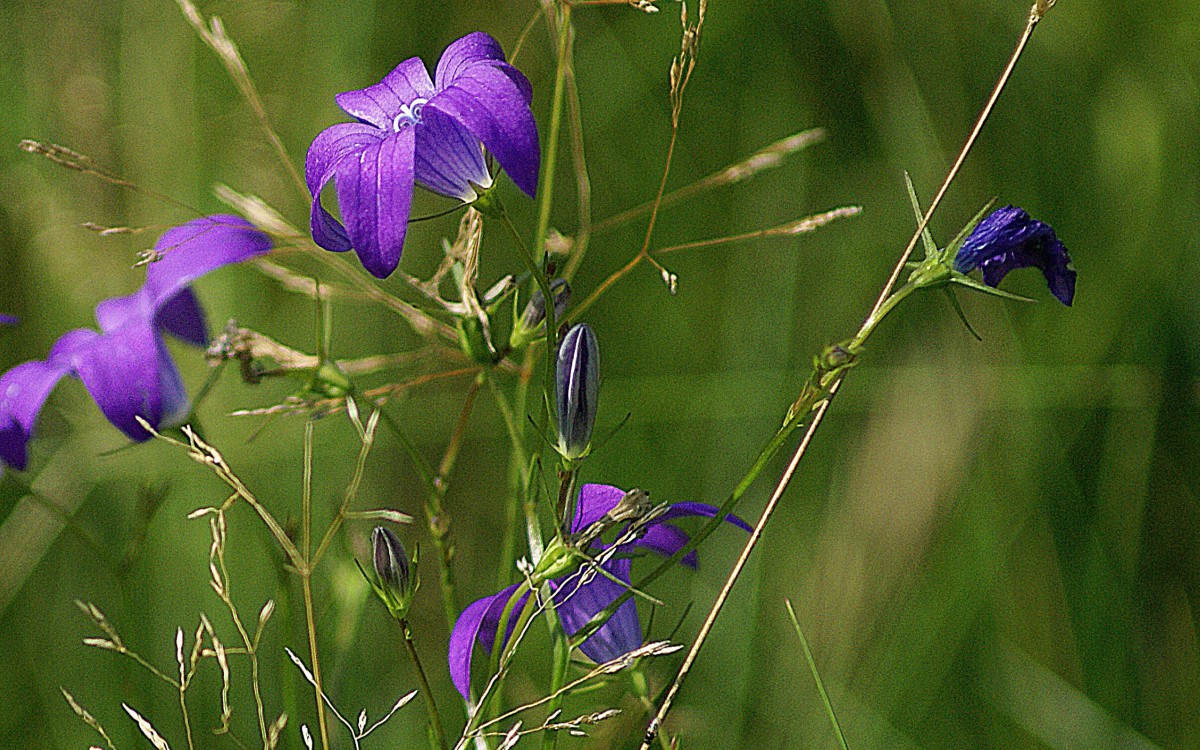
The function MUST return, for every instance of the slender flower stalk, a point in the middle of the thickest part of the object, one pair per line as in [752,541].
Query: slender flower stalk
[435,718]
[822,404]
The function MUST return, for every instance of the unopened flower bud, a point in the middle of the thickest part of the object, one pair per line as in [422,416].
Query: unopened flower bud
[394,583]
[535,312]
[577,388]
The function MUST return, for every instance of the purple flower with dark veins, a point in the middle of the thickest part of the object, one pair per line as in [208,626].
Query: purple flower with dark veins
[126,366]
[1008,239]
[582,594]
[412,129]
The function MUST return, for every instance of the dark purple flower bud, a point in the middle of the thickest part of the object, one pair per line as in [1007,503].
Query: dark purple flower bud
[1008,239]
[528,326]
[412,129]
[126,366]
[577,388]
[395,584]
[535,311]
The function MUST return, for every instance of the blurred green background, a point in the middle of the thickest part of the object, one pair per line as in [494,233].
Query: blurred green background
[991,544]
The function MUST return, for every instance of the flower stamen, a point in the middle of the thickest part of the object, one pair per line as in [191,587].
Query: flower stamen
[410,114]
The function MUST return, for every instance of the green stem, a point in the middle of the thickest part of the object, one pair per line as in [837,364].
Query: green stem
[435,517]
[546,193]
[518,472]
[550,158]
[562,662]
[566,485]
[434,717]
[539,276]
[310,621]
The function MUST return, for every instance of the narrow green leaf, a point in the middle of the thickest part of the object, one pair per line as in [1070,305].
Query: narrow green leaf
[812,665]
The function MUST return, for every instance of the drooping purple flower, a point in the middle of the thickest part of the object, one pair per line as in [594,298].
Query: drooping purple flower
[412,129]
[580,597]
[1008,239]
[125,366]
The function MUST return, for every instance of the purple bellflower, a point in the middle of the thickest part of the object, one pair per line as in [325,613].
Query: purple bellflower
[7,320]
[578,598]
[126,366]
[412,129]
[1008,239]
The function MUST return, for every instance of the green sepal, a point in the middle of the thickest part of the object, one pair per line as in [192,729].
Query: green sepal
[967,281]
[488,203]
[473,342]
[956,244]
[931,249]
[558,559]
[962,315]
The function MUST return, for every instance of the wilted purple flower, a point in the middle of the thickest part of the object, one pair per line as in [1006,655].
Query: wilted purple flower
[1008,239]
[577,598]
[126,366]
[413,129]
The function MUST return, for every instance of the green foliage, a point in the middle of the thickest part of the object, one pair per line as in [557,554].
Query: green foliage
[991,545]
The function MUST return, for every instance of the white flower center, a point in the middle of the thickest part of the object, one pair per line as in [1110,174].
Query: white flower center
[410,114]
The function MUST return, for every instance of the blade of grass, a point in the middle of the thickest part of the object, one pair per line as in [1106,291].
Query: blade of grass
[812,666]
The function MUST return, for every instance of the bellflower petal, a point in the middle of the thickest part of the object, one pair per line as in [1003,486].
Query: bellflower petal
[577,601]
[595,500]
[7,320]
[374,189]
[479,100]
[328,149]
[489,103]
[449,160]
[198,247]
[665,539]
[473,48]
[462,643]
[23,390]
[478,623]
[704,510]
[622,633]
[380,103]
[1008,239]
[129,374]
[183,317]
[126,366]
